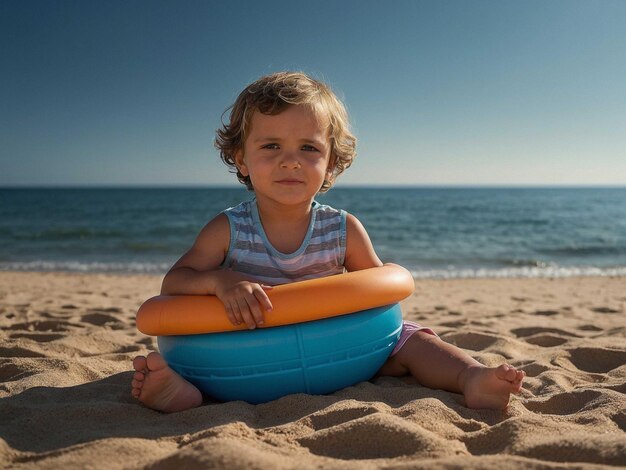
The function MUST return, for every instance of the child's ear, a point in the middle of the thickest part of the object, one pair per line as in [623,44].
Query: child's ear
[241,165]
[329,174]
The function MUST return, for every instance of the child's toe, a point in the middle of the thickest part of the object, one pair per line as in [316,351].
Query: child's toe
[503,372]
[509,373]
[155,361]
[140,363]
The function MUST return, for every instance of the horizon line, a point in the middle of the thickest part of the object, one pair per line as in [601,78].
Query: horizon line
[341,186]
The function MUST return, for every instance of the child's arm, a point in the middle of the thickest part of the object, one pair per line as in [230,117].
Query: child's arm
[198,272]
[360,253]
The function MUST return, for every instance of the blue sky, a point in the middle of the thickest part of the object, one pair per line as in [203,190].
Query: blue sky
[440,92]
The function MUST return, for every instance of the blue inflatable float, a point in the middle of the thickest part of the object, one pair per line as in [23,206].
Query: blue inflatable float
[261,365]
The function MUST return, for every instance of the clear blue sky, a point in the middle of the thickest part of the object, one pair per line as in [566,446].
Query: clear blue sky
[440,92]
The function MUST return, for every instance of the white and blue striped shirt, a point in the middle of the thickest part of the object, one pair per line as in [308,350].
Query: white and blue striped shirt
[321,254]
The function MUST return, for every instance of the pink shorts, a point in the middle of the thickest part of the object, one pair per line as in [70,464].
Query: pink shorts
[408,328]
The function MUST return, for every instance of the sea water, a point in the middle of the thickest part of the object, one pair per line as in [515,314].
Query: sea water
[434,232]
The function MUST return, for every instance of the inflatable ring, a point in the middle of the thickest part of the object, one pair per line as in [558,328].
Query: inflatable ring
[297,302]
[261,365]
[318,349]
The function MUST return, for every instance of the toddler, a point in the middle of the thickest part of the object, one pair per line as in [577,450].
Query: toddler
[288,139]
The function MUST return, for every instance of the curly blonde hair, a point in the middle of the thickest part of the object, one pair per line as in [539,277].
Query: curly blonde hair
[273,94]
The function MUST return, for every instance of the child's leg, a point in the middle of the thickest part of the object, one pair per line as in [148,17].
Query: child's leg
[440,365]
[157,386]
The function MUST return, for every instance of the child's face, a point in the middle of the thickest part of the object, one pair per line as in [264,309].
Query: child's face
[286,156]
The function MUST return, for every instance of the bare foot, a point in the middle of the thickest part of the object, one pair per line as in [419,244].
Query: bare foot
[157,386]
[490,387]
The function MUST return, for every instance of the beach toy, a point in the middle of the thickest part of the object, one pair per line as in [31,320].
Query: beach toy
[322,335]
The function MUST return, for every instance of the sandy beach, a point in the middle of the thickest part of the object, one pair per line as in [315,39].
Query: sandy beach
[67,341]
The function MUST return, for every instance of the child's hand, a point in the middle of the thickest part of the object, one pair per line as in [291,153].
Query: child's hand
[244,300]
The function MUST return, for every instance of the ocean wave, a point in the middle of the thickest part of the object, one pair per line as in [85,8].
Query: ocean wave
[143,247]
[584,250]
[62,234]
[160,268]
[86,267]
[525,271]
[525,263]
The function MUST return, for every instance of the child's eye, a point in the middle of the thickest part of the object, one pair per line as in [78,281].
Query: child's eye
[271,146]
[309,148]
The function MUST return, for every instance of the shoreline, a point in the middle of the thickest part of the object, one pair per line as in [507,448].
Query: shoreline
[416,278]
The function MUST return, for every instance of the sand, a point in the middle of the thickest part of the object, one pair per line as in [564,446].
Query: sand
[67,340]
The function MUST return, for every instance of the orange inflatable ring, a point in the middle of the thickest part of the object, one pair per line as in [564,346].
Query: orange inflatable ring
[297,302]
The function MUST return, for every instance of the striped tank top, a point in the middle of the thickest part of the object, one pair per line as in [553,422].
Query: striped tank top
[321,253]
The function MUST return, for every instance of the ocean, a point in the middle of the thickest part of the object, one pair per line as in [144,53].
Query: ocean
[434,232]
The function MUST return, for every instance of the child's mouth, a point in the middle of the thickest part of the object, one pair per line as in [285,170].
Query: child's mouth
[289,182]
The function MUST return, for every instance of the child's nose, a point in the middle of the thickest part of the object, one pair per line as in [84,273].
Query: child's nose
[290,161]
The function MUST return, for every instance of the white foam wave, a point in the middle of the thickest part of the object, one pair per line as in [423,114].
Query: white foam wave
[451,272]
[86,267]
[527,271]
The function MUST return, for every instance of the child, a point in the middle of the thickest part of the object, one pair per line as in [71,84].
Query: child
[288,140]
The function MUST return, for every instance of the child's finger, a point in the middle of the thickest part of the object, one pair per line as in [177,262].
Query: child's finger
[245,313]
[255,309]
[263,298]
[231,315]
[233,319]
